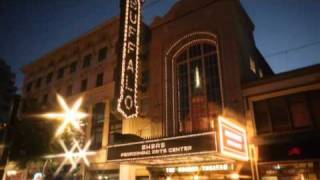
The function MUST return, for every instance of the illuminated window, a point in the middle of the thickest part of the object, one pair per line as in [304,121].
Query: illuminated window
[97,125]
[260,73]
[102,54]
[198,87]
[253,65]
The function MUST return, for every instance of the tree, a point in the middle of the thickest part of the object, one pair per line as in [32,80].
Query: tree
[32,137]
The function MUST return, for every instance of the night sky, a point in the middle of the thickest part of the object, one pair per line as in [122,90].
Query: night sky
[287,32]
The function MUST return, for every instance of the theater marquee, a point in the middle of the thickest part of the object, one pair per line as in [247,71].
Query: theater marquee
[130,26]
[181,145]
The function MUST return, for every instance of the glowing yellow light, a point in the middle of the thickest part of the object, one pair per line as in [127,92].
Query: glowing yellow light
[196,177]
[234,176]
[236,141]
[73,156]
[197,78]
[70,116]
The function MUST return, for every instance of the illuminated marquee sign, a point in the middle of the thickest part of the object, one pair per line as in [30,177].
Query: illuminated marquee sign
[203,168]
[181,145]
[233,140]
[127,101]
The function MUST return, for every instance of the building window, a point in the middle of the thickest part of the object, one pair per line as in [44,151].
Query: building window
[86,61]
[45,99]
[99,80]
[253,65]
[102,54]
[314,103]
[115,126]
[97,125]
[300,114]
[279,114]
[84,83]
[49,77]
[287,113]
[69,90]
[38,84]
[260,73]
[29,86]
[198,88]
[263,123]
[73,67]
[61,73]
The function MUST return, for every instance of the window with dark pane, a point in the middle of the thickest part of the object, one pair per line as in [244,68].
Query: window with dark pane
[45,99]
[314,104]
[38,84]
[49,77]
[84,83]
[69,90]
[299,110]
[73,67]
[61,73]
[86,61]
[102,54]
[115,127]
[279,114]
[198,87]
[29,86]
[97,125]
[99,80]
[262,118]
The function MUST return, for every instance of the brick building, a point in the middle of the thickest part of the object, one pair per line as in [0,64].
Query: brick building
[193,117]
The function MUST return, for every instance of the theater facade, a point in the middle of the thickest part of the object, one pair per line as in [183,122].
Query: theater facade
[179,99]
[179,92]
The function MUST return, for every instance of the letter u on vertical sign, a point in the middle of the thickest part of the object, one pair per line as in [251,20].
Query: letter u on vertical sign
[130,26]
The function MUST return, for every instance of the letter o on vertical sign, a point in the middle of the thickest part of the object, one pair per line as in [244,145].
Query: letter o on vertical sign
[130,27]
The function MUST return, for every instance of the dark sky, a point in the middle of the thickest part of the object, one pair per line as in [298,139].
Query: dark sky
[287,31]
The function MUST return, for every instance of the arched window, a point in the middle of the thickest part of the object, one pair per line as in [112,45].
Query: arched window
[198,87]
[97,125]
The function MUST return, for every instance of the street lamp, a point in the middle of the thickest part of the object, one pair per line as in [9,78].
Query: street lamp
[70,116]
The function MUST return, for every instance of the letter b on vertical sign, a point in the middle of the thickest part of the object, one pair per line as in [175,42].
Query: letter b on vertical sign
[130,27]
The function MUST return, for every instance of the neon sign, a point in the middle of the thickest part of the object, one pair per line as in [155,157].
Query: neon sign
[233,140]
[127,101]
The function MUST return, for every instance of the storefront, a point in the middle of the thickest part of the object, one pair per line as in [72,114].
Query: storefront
[297,160]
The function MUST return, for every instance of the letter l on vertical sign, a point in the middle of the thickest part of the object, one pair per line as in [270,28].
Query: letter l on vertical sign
[130,26]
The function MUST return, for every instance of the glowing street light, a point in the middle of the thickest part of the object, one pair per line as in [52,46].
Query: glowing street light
[70,116]
[73,156]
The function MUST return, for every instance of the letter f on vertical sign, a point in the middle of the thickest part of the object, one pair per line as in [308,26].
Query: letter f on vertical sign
[127,100]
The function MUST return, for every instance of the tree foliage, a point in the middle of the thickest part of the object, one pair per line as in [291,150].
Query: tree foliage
[31,136]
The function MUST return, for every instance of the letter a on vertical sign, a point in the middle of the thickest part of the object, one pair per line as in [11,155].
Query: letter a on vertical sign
[130,27]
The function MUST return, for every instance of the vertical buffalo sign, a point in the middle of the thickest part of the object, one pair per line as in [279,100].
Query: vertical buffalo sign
[130,27]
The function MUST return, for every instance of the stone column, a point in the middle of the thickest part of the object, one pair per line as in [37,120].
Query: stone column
[127,172]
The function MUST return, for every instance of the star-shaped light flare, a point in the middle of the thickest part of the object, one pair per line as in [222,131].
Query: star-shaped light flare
[70,116]
[73,156]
